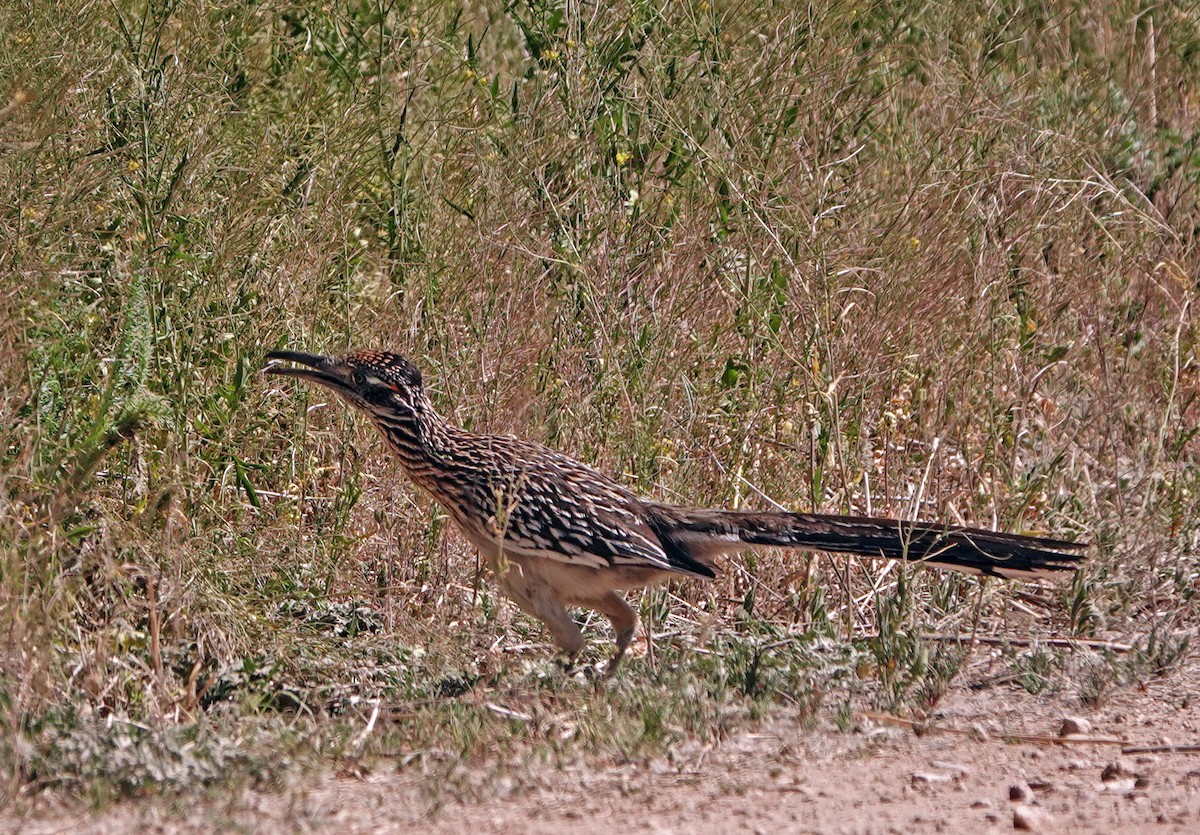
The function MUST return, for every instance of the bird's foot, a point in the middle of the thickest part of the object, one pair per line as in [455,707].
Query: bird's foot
[586,673]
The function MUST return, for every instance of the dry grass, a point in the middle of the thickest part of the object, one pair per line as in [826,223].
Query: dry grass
[934,260]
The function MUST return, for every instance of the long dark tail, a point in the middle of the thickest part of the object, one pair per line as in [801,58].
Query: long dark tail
[693,536]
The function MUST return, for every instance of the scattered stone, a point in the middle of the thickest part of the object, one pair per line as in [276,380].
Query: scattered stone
[1075,726]
[1030,819]
[1147,759]
[1118,785]
[1118,769]
[981,804]
[1078,765]
[924,778]
[1020,793]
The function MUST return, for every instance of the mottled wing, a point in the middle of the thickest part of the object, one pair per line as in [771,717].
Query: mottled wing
[542,503]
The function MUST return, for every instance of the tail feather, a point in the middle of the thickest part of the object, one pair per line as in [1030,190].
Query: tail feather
[695,535]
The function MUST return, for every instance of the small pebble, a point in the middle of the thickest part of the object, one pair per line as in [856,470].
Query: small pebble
[1029,818]
[1116,770]
[1074,726]
[954,768]
[1118,785]
[922,778]
[1020,793]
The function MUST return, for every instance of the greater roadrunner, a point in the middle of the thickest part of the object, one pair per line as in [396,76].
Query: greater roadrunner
[557,533]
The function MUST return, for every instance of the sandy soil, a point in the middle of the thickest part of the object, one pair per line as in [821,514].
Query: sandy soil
[957,775]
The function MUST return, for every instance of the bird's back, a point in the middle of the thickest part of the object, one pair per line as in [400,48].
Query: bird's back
[531,500]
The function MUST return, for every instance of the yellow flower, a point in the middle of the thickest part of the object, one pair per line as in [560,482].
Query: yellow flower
[623,157]
[132,165]
[550,54]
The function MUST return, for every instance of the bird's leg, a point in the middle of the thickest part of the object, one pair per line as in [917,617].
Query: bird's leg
[624,621]
[536,598]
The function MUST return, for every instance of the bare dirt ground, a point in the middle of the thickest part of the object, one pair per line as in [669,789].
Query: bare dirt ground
[955,775]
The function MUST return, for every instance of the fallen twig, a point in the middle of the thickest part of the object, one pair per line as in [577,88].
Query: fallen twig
[366,732]
[507,713]
[922,728]
[1161,749]
[999,640]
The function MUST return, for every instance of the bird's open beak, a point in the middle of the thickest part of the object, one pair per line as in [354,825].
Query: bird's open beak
[323,370]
